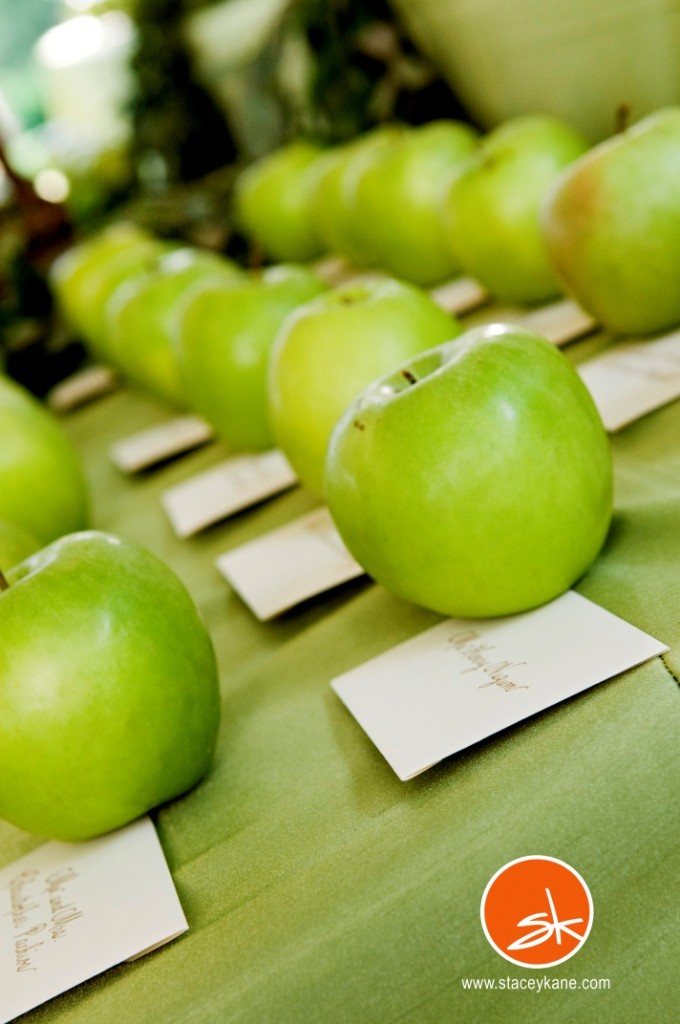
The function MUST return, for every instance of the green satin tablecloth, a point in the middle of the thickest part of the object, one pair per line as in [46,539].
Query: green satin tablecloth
[321,890]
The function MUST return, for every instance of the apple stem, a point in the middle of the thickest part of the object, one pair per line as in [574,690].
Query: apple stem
[622,118]
[409,376]
[4,585]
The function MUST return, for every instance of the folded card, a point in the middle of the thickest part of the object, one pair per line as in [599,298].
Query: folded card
[466,679]
[289,565]
[559,322]
[69,911]
[225,489]
[460,295]
[156,444]
[82,387]
[633,378]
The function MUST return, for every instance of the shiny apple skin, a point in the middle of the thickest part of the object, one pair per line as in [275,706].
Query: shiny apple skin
[482,489]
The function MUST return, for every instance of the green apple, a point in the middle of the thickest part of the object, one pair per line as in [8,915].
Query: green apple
[91,282]
[16,544]
[102,282]
[399,197]
[42,484]
[143,314]
[330,349]
[69,271]
[492,209]
[475,480]
[225,335]
[335,193]
[109,695]
[611,224]
[272,202]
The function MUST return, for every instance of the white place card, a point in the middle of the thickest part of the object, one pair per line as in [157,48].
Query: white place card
[465,679]
[289,565]
[82,387]
[460,296]
[634,378]
[560,321]
[227,488]
[156,444]
[69,911]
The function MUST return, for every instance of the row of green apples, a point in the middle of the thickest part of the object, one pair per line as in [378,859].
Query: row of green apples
[126,293]
[267,357]
[475,477]
[276,357]
[98,724]
[468,472]
[528,209]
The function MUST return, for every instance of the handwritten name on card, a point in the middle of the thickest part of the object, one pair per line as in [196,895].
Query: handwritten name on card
[48,897]
[464,680]
[69,911]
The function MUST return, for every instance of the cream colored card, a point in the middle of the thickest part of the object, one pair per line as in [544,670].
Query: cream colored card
[289,565]
[634,378]
[559,322]
[227,488]
[82,387]
[464,680]
[156,444]
[459,296]
[336,270]
[69,911]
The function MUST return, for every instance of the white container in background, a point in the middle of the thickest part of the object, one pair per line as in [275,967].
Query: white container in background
[578,59]
[86,78]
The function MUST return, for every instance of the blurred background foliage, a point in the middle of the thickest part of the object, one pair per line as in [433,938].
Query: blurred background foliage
[18,34]
[147,109]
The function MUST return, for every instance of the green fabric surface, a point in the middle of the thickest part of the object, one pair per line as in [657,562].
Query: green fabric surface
[318,887]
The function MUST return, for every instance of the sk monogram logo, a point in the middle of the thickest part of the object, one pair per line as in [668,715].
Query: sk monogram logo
[560,911]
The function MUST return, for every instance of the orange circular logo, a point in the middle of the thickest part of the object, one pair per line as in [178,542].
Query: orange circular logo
[537,911]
